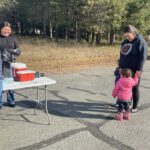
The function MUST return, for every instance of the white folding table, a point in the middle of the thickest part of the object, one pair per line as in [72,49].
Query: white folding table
[42,81]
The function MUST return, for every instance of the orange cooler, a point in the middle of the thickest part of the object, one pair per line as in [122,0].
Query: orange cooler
[26,75]
[18,67]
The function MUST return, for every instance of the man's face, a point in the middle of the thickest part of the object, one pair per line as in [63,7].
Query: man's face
[6,31]
[129,36]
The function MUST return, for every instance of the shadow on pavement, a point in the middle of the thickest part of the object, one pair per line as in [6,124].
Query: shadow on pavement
[21,116]
[73,109]
[94,110]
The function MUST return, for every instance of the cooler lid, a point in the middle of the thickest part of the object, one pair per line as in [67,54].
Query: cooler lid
[18,65]
[25,72]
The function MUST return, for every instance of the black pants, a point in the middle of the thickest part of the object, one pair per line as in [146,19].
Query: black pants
[136,95]
[123,105]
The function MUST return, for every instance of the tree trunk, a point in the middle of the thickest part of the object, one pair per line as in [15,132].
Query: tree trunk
[21,28]
[98,38]
[67,34]
[47,31]
[51,30]
[112,37]
[67,20]
[44,28]
[56,33]
[87,36]
[76,31]
[93,37]
[33,29]
[108,37]
[17,28]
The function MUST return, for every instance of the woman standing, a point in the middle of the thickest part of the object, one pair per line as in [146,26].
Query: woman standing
[133,55]
[7,41]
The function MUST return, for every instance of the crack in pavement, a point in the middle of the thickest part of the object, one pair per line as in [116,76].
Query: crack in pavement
[109,140]
[52,140]
[83,90]
[93,128]
[94,131]
[77,89]
[98,76]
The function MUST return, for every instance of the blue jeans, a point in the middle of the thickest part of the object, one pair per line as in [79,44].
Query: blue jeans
[1,89]
[7,72]
[1,83]
[10,97]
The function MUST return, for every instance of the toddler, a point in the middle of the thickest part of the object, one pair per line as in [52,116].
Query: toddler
[123,92]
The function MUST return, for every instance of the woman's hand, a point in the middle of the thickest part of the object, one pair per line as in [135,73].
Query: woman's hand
[138,74]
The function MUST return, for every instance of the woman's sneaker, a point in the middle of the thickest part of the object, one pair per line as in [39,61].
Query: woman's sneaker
[134,111]
[119,117]
[126,115]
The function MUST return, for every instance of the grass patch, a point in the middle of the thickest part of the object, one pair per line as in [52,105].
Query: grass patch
[49,57]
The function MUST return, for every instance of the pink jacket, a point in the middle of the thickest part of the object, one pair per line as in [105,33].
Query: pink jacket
[123,88]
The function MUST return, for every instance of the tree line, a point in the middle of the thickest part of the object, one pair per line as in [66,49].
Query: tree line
[91,20]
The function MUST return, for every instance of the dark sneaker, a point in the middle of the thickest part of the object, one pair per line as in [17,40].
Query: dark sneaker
[0,107]
[12,105]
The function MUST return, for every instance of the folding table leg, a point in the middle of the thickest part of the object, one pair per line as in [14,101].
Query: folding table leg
[46,107]
[38,101]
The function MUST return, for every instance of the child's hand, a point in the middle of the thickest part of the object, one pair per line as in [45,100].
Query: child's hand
[138,74]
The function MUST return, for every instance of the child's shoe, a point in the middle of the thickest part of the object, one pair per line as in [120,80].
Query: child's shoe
[119,117]
[126,115]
